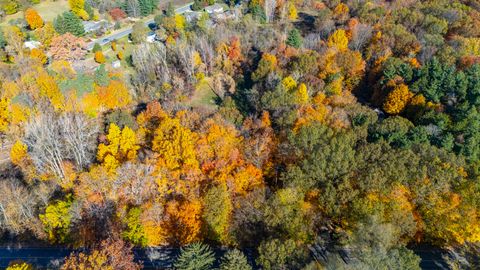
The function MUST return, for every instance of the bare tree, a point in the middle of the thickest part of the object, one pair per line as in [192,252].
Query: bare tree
[18,207]
[135,183]
[270,6]
[361,34]
[206,51]
[185,57]
[53,139]
[79,134]
[150,61]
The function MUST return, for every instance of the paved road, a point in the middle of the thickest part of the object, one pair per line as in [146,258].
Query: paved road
[106,39]
[161,258]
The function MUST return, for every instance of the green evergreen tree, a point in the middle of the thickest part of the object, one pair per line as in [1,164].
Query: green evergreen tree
[96,48]
[3,42]
[147,6]
[101,76]
[170,11]
[68,22]
[294,38]
[234,260]
[88,8]
[196,256]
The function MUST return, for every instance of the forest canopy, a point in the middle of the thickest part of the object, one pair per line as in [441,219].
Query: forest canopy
[299,134]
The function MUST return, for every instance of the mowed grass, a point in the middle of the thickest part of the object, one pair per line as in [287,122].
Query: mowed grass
[203,96]
[48,10]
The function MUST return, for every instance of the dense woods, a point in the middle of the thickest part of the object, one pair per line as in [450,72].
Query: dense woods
[312,134]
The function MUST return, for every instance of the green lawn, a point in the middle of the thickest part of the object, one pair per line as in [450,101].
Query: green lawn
[48,10]
[203,96]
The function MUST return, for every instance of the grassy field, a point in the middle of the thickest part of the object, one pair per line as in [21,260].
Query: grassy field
[47,9]
[203,96]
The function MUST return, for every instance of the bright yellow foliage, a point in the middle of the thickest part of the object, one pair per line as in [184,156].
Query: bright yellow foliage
[20,266]
[122,146]
[77,7]
[397,100]
[18,152]
[289,83]
[39,55]
[338,40]
[301,95]
[49,89]
[4,114]
[180,21]
[113,96]
[292,11]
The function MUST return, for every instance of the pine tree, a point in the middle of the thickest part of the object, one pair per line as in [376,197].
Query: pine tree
[3,42]
[96,48]
[294,38]
[101,76]
[170,10]
[234,260]
[68,22]
[147,7]
[196,256]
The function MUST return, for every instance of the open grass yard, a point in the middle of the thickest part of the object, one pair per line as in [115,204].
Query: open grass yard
[48,10]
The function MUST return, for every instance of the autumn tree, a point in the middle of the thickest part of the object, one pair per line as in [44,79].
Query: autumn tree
[338,40]
[39,55]
[45,34]
[397,100]
[78,8]
[57,219]
[120,146]
[111,254]
[99,57]
[33,19]
[267,64]
[67,47]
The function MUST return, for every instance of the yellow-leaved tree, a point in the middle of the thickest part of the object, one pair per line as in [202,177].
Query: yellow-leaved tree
[397,100]
[121,146]
[338,40]
[5,114]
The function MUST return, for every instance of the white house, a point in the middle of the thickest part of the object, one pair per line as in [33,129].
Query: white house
[216,8]
[151,37]
[116,64]
[32,44]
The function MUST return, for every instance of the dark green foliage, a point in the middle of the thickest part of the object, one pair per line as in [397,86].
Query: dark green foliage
[88,8]
[294,38]
[278,254]
[96,48]
[101,76]
[121,118]
[435,80]
[147,6]
[326,155]
[82,84]
[258,13]
[170,11]
[234,260]
[68,22]
[196,256]
[3,42]
[197,5]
